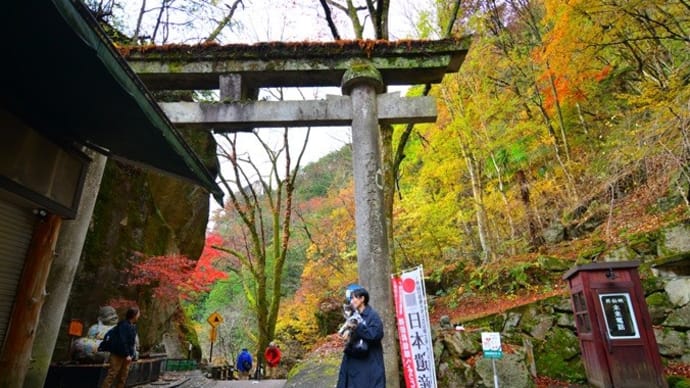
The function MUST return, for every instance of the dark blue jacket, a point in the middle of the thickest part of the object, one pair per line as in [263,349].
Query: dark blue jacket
[367,371]
[244,356]
[124,341]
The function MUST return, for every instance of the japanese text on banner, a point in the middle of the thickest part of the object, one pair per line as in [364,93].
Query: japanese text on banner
[414,329]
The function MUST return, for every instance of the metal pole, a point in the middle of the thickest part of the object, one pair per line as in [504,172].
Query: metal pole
[210,354]
[493,362]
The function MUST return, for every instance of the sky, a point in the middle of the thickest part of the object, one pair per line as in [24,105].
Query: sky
[299,20]
[271,20]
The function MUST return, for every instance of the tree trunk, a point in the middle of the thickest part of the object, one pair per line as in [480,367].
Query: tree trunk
[504,198]
[480,211]
[19,338]
[534,238]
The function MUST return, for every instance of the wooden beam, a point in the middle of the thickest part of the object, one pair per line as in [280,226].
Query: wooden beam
[333,111]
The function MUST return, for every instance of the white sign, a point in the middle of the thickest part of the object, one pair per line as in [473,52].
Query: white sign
[491,345]
[414,330]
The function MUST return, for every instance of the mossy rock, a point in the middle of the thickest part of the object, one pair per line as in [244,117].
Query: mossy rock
[510,369]
[454,373]
[676,264]
[652,284]
[674,240]
[587,254]
[459,345]
[317,371]
[658,300]
[643,243]
[139,214]
[620,253]
[494,322]
[533,315]
[659,306]
[554,264]
[530,319]
[558,356]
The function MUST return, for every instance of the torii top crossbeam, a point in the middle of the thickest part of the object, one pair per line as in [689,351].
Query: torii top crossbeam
[293,64]
[239,71]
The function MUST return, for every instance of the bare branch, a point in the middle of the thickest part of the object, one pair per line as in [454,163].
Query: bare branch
[224,22]
[453,18]
[329,19]
[139,19]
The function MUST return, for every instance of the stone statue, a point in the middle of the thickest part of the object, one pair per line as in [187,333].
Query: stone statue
[85,349]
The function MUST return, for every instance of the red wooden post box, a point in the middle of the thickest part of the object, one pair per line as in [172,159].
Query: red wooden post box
[613,325]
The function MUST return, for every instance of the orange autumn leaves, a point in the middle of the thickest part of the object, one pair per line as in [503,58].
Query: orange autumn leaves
[566,55]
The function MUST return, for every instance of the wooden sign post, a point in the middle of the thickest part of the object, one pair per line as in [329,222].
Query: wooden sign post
[214,320]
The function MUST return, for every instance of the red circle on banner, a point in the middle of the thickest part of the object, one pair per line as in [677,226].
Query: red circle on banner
[409,285]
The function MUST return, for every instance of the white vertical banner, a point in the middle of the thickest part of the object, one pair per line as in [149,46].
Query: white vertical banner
[414,329]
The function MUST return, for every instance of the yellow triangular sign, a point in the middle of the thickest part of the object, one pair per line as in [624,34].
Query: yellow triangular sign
[215,319]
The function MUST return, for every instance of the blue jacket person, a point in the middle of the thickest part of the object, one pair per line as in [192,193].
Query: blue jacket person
[244,364]
[123,349]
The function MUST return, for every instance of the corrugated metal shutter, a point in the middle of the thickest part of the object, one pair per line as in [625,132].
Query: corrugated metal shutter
[16,229]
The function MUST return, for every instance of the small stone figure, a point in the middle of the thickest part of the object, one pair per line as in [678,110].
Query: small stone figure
[84,350]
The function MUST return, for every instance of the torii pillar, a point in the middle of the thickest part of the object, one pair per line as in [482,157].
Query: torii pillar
[362,82]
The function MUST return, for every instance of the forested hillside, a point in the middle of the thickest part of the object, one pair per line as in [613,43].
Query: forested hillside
[564,133]
[562,139]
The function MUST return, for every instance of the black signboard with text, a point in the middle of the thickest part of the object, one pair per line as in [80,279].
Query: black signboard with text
[619,316]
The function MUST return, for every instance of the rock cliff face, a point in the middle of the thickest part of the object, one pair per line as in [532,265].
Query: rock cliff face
[138,214]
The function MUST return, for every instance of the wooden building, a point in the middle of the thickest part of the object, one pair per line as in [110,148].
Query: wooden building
[68,101]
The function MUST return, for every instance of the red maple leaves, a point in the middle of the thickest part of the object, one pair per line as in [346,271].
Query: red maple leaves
[176,276]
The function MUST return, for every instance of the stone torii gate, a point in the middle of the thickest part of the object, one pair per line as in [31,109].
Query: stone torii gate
[362,69]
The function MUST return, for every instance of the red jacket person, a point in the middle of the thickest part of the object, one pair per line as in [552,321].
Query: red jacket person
[272,356]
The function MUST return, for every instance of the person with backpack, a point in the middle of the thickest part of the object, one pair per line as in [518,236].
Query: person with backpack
[120,341]
[244,364]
